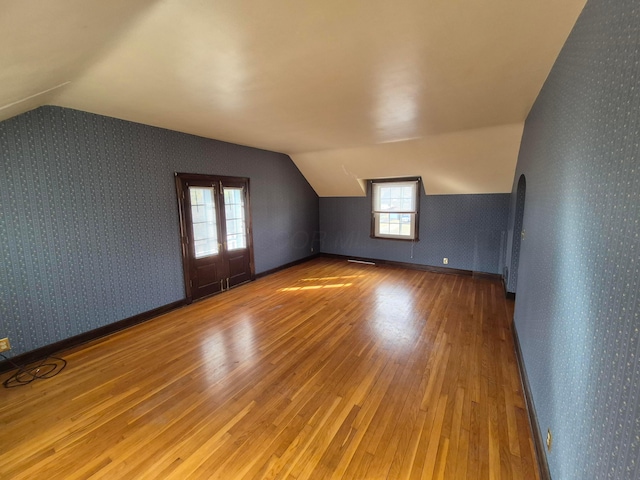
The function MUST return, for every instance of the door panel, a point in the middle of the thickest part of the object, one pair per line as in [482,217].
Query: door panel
[205,260]
[206,276]
[236,231]
[215,227]
[238,269]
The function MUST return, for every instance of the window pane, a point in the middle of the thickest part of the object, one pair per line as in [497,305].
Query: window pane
[395,225]
[198,213]
[203,219]
[235,221]
[395,207]
[394,197]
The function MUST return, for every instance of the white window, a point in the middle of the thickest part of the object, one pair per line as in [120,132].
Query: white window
[395,208]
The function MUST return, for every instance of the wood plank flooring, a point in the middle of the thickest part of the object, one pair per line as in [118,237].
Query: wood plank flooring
[325,370]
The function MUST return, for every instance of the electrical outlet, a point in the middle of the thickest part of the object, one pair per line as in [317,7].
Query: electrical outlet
[4,344]
[445,261]
[549,439]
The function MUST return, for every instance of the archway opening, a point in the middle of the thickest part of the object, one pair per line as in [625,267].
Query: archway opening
[518,233]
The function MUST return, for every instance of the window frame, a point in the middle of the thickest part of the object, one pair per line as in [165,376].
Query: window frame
[417,181]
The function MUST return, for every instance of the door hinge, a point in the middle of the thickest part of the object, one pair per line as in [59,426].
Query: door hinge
[191,283]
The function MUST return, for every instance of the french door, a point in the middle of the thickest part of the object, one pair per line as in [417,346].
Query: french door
[215,228]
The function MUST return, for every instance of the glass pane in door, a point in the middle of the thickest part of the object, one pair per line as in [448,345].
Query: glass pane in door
[203,217]
[234,214]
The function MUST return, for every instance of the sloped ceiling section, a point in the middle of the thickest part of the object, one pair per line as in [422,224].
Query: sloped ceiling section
[351,90]
[44,46]
[470,161]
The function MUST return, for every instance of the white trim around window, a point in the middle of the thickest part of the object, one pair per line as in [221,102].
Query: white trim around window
[395,208]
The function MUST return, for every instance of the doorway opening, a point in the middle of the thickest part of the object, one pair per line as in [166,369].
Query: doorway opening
[215,231]
[518,233]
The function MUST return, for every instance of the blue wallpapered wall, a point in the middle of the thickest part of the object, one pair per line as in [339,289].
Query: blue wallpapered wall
[470,230]
[578,301]
[89,220]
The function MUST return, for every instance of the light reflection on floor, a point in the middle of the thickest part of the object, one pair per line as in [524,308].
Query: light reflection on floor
[320,283]
[315,287]
[225,350]
[214,350]
[314,279]
[394,319]
[391,319]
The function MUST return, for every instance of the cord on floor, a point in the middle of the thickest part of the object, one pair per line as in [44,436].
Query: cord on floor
[47,368]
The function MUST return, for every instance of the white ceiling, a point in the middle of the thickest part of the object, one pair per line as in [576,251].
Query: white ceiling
[350,89]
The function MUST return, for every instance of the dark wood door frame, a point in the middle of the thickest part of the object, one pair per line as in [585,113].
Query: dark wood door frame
[182,180]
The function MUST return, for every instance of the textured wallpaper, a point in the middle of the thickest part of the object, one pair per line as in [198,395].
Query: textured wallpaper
[578,300]
[470,230]
[89,221]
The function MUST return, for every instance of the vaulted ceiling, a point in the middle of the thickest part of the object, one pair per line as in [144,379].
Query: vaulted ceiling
[350,89]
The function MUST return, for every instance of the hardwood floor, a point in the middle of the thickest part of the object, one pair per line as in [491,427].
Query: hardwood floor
[325,370]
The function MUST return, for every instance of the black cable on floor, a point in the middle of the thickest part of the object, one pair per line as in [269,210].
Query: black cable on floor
[47,368]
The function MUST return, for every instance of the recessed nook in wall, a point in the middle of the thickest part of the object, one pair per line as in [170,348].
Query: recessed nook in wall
[518,234]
